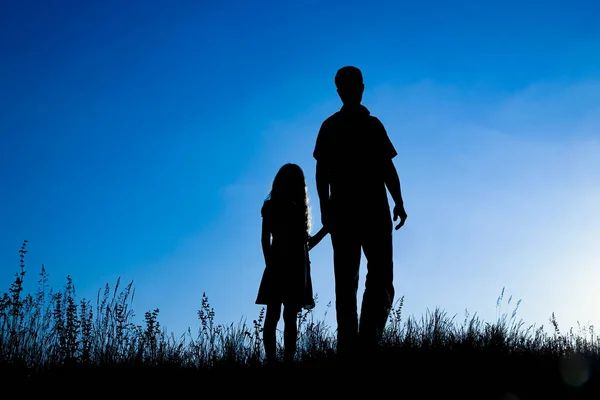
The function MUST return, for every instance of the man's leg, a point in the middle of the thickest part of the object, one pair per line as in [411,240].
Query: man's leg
[379,289]
[346,263]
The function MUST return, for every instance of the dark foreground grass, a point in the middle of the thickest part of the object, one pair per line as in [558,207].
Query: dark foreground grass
[52,342]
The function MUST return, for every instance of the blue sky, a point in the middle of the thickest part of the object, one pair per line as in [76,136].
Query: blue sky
[139,139]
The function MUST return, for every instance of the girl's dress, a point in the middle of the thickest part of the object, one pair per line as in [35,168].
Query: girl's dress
[286,278]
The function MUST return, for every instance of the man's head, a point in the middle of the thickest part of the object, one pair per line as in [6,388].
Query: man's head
[349,84]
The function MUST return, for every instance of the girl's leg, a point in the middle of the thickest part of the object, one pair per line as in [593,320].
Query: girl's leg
[270,330]
[290,333]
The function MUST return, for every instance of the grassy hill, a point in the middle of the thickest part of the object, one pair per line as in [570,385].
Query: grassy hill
[49,339]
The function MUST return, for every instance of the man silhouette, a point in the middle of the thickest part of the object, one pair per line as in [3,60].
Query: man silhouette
[354,167]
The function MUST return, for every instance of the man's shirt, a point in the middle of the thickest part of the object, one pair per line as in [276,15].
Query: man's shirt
[354,148]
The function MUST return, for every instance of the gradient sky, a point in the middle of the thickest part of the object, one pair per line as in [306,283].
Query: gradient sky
[140,138]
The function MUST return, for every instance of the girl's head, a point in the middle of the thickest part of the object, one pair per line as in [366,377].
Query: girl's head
[290,185]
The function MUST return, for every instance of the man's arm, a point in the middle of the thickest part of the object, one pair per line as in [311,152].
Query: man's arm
[322,182]
[323,154]
[392,181]
[390,175]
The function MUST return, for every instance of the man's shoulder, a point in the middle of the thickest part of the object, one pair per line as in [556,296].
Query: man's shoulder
[339,116]
[332,119]
[340,119]
[266,207]
[325,136]
[374,119]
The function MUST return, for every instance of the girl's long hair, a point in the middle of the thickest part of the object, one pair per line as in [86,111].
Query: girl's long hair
[290,185]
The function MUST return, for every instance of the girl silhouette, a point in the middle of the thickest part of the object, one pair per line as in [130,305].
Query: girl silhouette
[285,239]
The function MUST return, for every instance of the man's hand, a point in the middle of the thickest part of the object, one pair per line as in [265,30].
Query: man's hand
[400,212]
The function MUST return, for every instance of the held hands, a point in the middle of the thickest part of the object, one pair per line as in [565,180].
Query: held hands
[400,212]
[312,242]
[316,238]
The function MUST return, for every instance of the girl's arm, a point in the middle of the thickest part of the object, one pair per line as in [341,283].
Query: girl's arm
[265,239]
[314,240]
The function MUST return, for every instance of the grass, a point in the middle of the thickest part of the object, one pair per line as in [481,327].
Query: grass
[51,337]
